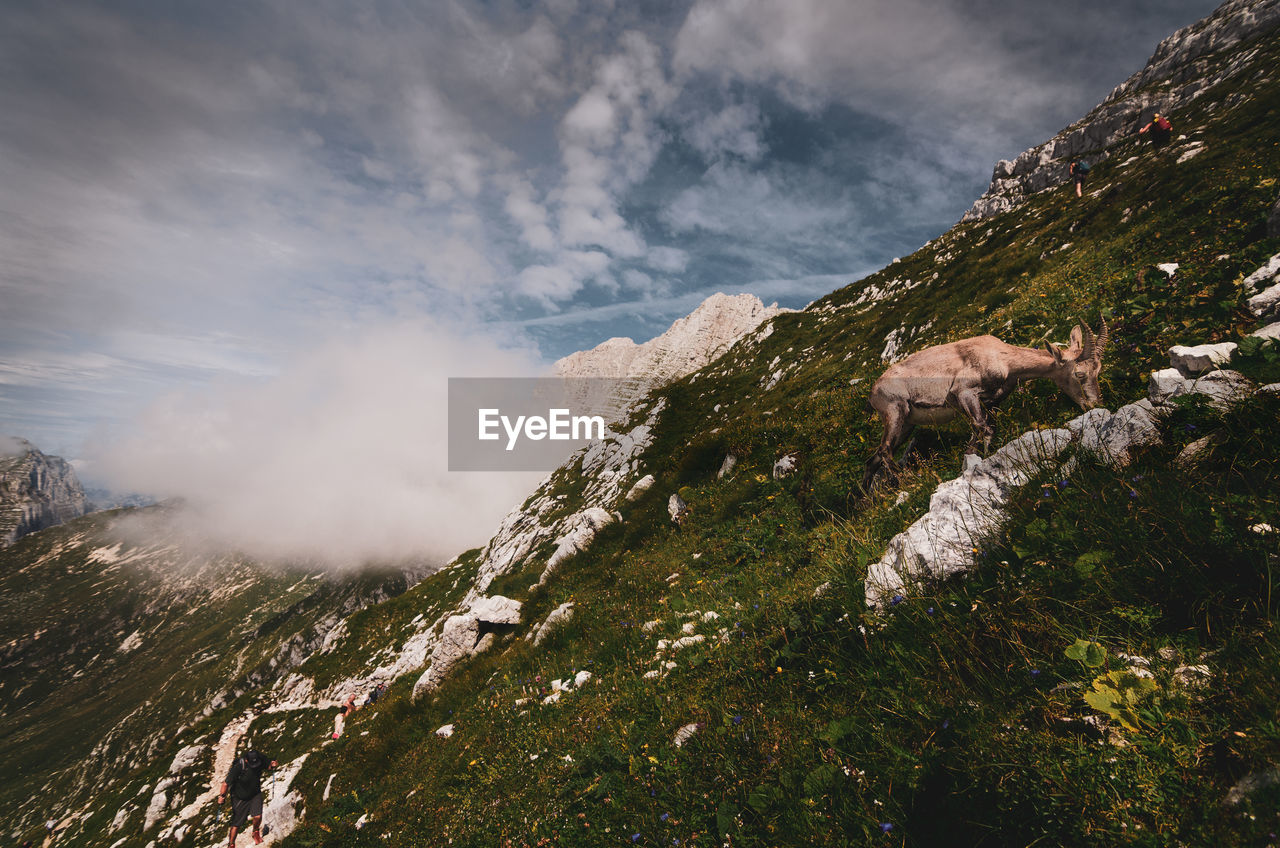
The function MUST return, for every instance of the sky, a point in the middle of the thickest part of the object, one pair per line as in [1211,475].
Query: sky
[204,201]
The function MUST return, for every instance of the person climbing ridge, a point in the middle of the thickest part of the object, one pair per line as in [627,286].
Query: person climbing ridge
[1079,170]
[1160,129]
[245,782]
[376,693]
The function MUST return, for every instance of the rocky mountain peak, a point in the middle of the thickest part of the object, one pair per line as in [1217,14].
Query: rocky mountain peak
[688,344]
[1184,66]
[36,491]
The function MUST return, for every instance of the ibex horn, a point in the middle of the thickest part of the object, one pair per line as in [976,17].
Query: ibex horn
[1086,349]
[1102,338]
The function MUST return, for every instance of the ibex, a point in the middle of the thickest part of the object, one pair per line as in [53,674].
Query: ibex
[931,386]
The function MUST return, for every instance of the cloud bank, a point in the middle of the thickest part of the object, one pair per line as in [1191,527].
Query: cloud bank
[339,460]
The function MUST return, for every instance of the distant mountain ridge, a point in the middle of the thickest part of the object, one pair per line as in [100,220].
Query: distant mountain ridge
[36,490]
[689,344]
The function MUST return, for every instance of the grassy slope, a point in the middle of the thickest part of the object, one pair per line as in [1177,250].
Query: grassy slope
[89,724]
[961,721]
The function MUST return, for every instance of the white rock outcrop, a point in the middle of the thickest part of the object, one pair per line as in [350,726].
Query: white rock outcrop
[1198,359]
[457,642]
[641,486]
[496,610]
[580,530]
[557,618]
[966,511]
[633,370]
[1271,331]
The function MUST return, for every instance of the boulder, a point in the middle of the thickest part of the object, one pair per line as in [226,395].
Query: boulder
[581,530]
[1271,331]
[1201,358]
[641,486]
[558,617]
[677,508]
[727,466]
[1222,387]
[785,466]
[445,731]
[496,610]
[458,639]
[962,512]
[1112,437]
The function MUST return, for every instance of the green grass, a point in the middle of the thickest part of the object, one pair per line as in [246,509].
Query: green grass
[957,719]
[954,718]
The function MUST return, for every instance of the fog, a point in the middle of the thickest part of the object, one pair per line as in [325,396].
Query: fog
[340,460]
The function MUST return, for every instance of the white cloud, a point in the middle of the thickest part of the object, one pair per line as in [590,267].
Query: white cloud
[735,130]
[754,204]
[340,459]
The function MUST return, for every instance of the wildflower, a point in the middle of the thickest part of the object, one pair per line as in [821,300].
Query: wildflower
[885,827]
[1062,484]
[664,817]
[635,837]
[1132,494]
[1035,672]
[929,610]
[737,719]
[895,600]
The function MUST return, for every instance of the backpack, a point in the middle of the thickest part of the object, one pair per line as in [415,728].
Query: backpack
[1163,123]
[1082,167]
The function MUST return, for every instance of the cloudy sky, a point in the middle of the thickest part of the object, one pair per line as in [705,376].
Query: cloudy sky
[202,199]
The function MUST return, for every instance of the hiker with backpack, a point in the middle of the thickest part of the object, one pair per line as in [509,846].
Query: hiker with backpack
[375,693]
[1079,170]
[245,782]
[1160,129]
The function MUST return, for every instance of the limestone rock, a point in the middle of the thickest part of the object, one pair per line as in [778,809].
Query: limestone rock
[677,508]
[727,466]
[496,610]
[641,486]
[962,512]
[555,619]
[1112,438]
[457,642]
[685,733]
[1266,274]
[1222,387]
[1251,783]
[1271,331]
[1201,358]
[689,344]
[581,529]
[785,466]
[445,731]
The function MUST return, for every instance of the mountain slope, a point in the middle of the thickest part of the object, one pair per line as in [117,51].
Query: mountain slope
[794,721]
[119,650]
[597,674]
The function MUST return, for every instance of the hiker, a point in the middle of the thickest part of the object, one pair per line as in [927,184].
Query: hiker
[340,721]
[245,781]
[1160,130]
[377,692]
[1079,170]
